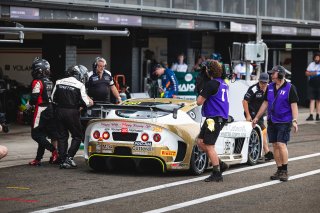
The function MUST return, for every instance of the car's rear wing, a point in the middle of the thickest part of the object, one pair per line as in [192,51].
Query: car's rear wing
[101,110]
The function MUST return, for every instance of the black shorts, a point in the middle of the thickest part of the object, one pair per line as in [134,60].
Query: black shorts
[210,137]
[279,132]
[313,93]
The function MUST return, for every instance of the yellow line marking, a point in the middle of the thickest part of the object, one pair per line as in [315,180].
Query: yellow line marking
[17,187]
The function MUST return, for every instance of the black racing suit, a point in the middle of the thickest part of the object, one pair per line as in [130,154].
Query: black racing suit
[69,95]
[43,124]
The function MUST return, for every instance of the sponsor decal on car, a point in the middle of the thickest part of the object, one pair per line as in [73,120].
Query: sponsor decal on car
[104,148]
[170,153]
[141,148]
[141,143]
[129,127]
[233,132]
[132,103]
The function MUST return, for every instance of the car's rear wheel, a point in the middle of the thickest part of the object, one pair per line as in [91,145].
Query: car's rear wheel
[254,148]
[198,161]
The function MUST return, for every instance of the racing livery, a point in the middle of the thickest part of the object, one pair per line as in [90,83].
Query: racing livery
[164,132]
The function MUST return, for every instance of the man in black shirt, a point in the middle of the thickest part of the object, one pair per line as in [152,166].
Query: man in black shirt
[251,105]
[100,83]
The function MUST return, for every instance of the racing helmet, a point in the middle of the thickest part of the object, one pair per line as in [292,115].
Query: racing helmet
[80,72]
[40,68]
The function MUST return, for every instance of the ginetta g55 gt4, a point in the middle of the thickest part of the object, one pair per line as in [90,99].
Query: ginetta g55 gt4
[164,132]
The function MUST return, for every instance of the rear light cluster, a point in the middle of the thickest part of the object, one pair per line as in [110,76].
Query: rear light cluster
[145,137]
[105,135]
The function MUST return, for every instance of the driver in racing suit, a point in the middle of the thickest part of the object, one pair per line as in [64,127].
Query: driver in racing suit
[42,125]
[69,94]
[169,81]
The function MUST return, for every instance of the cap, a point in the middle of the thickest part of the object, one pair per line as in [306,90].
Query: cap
[264,77]
[278,68]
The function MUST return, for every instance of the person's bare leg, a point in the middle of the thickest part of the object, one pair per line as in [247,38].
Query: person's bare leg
[3,151]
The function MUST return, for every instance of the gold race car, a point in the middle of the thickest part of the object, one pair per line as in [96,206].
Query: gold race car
[163,132]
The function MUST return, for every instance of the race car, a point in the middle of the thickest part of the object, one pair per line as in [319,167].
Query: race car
[163,132]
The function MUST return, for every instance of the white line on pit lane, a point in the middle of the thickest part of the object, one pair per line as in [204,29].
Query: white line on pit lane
[228,193]
[163,186]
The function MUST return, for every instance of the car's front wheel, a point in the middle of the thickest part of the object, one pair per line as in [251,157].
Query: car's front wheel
[198,161]
[254,148]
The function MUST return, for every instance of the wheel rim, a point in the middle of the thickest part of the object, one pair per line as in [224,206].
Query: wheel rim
[254,146]
[200,158]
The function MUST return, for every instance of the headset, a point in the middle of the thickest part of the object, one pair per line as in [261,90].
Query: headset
[94,64]
[281,71]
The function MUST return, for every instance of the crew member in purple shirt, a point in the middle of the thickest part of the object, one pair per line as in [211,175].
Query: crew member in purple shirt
[281,101]
[214,98]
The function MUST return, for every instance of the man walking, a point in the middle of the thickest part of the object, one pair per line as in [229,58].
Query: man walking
[251,104]
[281,101]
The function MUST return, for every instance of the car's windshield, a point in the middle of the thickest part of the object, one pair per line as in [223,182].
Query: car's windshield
[156,110]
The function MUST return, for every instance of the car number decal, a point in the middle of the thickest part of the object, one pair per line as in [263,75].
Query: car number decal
[157,129]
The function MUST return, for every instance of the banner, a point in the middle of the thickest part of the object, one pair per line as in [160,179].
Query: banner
[187,84]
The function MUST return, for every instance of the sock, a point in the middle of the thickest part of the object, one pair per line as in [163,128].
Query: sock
[216,168]
[279,168]
[285,167]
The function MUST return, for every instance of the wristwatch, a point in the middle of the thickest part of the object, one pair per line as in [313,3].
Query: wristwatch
[295,121]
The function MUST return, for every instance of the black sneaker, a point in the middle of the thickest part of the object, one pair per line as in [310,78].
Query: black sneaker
[283,176]
[215,176]
[68,163]
[276,175]
[317,117]
[310,118]
[268,156]
[223,166]
[65,165]
[71,161]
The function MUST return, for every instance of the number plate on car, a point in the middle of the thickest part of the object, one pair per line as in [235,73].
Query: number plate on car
[104,148]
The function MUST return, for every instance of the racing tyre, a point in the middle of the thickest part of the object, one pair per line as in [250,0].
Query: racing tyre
[254,149]
[198,162]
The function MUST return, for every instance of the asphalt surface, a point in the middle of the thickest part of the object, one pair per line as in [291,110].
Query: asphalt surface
[245,188]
